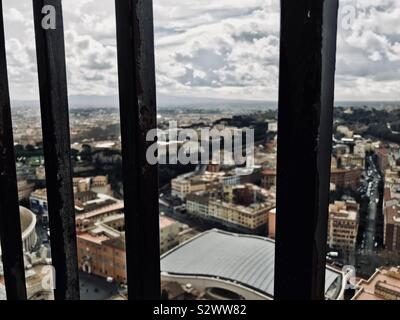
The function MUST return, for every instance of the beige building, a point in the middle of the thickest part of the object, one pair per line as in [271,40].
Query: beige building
[182,187]
[343,225]
[190,183]
[384,284]
[100,184]
[243,206]
[81,184]
[247,217]
[272,223]
[352,160]
[97,184]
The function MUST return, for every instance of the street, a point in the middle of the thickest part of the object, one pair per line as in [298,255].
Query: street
[369,245]
[367,257]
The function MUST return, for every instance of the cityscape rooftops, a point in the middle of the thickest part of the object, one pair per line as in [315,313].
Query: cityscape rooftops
[384,284]
[94,238]
[250,210]
[113,207]
[346,210]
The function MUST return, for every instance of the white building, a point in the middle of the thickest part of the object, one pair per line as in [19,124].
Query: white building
[29,236]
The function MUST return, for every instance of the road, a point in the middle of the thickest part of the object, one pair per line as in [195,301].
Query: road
[367,256]
[368,245]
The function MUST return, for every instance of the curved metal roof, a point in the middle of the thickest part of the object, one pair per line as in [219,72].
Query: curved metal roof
[245,259]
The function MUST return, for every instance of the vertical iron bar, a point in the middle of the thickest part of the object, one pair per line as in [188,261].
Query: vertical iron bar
[136,70]
[306,94]
[57,153]
[10,226]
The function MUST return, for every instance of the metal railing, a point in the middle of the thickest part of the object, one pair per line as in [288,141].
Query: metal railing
[308,46]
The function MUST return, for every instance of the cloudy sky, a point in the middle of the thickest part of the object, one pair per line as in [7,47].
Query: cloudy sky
[207,48]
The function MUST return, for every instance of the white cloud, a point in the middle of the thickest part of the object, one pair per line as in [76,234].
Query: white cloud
[226,48]
[14,15]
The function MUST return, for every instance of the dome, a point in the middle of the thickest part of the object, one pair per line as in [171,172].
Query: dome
[27,218]
[28,225]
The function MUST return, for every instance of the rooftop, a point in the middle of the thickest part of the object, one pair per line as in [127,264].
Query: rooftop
[345,210]
[98,239]
[40,193]
[383,280]
[166,222]
[268,172]
[243,259]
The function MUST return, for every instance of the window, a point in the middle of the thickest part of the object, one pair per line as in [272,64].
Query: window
[101,170]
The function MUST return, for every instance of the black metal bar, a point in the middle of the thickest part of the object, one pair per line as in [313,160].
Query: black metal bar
[57,153]
[306,89]
[10,226]
[135,42]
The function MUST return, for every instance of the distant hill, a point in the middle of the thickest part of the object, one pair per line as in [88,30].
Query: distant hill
[168,101]
[79,101]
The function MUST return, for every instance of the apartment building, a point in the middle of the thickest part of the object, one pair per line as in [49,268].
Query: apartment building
[351,161]
[196,182]
[243,207]
[102,252]
[182,186]
[97,184]
[253,218]
[343,225]
[346,178]
[391,205]
[272,223]
[392,226]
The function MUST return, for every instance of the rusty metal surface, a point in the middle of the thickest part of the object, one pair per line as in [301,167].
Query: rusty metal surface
[10,227]
[137,92]
[56,141]
[306,89]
